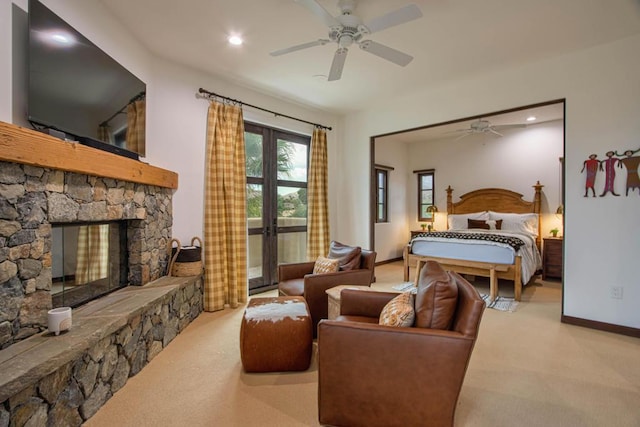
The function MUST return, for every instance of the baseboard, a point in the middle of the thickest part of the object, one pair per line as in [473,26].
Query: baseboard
[388,261]
[601,326]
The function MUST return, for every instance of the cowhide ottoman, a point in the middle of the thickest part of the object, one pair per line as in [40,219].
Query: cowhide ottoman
[276,335]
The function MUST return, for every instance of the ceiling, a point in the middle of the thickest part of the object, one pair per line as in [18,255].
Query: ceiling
[454,129]
[454,39]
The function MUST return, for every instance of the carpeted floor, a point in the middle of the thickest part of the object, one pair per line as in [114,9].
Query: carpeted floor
[527,369]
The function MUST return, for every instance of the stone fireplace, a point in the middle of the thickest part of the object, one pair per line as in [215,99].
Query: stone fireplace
[45,181]
[32,198]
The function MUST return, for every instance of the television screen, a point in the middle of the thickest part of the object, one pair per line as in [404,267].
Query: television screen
[76,88]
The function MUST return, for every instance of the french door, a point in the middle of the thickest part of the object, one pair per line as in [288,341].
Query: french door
[277,170]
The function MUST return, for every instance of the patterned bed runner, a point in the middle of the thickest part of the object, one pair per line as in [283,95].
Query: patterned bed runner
[514,242]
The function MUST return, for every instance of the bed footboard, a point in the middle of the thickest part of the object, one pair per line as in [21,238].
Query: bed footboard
[493,271]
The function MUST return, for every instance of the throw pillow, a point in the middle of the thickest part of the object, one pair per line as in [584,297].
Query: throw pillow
[348,256]
[399,311]
[325,265]
[489,224]
[436,298]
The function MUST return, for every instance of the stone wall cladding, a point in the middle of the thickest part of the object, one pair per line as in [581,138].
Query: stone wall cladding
[76,390]
[32,198]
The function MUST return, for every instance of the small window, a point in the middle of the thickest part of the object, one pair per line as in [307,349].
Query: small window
[426,194]
[382,195]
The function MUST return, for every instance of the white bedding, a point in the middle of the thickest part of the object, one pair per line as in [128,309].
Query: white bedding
[482,250]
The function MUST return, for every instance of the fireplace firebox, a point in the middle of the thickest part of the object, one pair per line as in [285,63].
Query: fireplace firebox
[89,260]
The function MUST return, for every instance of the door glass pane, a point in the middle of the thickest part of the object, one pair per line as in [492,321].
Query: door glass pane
[255,256]
[292,247]
[253,154]
[254,206]
[292,206]
[292,161]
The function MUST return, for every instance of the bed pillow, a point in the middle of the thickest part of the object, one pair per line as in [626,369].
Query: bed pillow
[459,221]
[520,223]
[490,224]
[399,311]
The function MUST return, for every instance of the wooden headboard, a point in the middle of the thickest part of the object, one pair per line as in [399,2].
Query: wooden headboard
[497,200]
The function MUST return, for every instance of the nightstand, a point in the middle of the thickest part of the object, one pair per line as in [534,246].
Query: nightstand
[552,257]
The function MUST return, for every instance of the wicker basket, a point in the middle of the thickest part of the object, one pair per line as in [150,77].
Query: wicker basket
[185,260]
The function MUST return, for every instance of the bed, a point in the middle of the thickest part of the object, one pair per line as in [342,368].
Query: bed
[493,232]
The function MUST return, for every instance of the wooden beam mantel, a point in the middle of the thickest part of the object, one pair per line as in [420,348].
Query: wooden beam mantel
[29,147]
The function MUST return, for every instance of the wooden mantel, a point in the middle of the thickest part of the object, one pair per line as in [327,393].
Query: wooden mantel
[20,145]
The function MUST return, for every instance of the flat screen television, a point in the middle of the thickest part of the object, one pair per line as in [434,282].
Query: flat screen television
[76,90]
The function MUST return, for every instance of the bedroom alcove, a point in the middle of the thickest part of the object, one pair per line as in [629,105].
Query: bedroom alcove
[515,160]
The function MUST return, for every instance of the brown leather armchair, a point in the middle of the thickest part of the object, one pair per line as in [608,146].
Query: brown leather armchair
[373,375]
[297,279]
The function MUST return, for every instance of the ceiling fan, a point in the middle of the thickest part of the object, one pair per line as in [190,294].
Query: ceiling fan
[484,126]
[347,29]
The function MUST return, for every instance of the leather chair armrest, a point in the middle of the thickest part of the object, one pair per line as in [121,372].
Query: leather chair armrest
[360,363]
[295,270]
[364,303]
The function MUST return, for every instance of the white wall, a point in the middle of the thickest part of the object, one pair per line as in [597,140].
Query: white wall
[393,235]
[515,161]
[602,235]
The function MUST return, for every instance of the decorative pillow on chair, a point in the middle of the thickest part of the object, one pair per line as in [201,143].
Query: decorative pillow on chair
[348,256]
[325,265]
[436,299]
[399,311]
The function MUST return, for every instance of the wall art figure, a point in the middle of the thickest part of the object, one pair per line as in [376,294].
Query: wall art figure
[591,165]
[631,162]
[610,173]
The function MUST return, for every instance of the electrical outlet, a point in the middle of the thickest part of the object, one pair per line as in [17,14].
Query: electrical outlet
[616,292]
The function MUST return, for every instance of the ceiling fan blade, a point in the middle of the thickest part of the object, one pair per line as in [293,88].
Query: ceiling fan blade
[319,42]
[397,17]
[463,135]
[515,126]
[495,132]
[317,9]
[338,64]
[386,52]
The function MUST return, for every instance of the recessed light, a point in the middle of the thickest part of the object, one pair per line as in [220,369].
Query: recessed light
[319,77]
[235,40]
[531,118]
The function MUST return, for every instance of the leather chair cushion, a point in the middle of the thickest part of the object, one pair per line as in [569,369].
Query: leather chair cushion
[399,311]
[292,287]
[325,265]
[348,256]
[436,299]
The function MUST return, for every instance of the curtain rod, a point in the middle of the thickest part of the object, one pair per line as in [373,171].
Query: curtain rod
[215,95]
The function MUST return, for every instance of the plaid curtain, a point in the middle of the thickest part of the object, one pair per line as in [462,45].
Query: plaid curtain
[135,126]
[317,198]
[93,253]
[225,224]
